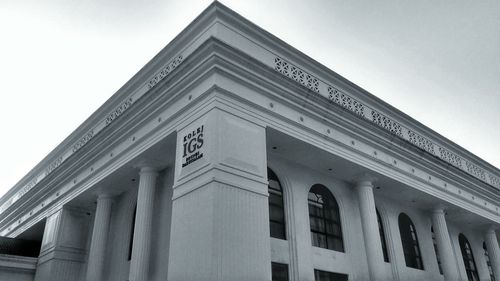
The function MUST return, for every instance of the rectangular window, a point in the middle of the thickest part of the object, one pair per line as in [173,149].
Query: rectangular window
[279,271]
[320,275]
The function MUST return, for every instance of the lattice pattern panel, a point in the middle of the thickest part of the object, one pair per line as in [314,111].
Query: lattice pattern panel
[450,157]
[165,71]
[346,101]
[387,123]
[421,141]
[475,170]
[354,106]
[494,181]
[297,74]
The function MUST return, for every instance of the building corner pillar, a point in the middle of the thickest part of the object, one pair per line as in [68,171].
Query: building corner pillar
[62,254]
[446,256]
[493,251]
[99,238]
[139,264]
[373,245]
[220,208]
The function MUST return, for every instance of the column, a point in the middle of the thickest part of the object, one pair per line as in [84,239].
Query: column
[139,263]
[220,211]
[99,238]
[371,234]
[493,251]
[448,263]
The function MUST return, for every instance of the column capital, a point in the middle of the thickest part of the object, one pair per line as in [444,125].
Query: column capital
[104,196]
[439,209]
[492,228]
[148,165]
[148,169]
[364,179]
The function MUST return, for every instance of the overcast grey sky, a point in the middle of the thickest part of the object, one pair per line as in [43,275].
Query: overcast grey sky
[437,61]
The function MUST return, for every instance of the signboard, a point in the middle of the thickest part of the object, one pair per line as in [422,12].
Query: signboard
[192,142]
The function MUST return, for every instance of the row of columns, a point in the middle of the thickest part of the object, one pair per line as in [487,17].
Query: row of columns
[139,263]
[364,187]
[374,255]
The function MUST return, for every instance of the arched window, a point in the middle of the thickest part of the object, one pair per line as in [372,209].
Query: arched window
[324,219]
[276,206]
[436,251]
[470,264]
[382,237]
[488,262]
[409,240]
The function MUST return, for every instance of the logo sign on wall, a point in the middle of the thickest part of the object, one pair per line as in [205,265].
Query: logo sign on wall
[192,143]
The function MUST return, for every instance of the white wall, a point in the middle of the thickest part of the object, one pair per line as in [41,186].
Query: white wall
[302,258]
[17,268]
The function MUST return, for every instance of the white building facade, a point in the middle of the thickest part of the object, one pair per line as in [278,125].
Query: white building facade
[233,156]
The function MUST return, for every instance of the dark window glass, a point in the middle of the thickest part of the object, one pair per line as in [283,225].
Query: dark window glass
[320,275]
[436,251]
[409,241]
[131,242]
[276,206]
[279,271]
[470,264]
[488,261]
[382,237]
[324,219]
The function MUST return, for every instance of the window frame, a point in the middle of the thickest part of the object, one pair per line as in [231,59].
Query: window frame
[332,276]
[468,258]
[275,265]
[276,193]
[329,217]
[383,241]
[409,242]
[488,261]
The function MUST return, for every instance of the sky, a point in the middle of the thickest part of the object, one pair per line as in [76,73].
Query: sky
[437,61]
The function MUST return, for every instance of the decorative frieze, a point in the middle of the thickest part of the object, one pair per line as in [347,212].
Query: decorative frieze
[53,165]
[119,110]
[387,123]
[83,141]
[347,102]
[475,170]
[165,71]
[297,74]
[420,141]
[450,157]
[336,96]
[494,181]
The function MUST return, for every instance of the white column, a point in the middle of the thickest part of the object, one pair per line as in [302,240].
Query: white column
[139,264]
[371,234]
[99,238]
[493,251]
[446,256]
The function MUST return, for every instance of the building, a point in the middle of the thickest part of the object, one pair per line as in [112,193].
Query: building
[233,156]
